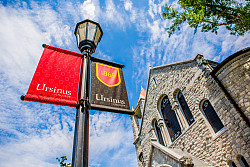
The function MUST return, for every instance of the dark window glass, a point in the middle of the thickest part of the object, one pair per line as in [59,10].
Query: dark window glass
[185,108]
[158,133]
[141,157]
[232,164]
[170,119]
[212,116]
[243,162]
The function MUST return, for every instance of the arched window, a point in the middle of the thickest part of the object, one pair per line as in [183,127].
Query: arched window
[185,109]
[170,119]
[212,116]
[243,161]
[141,157]
[232,164]
[158,133]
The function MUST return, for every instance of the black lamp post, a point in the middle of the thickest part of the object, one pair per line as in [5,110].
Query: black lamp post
[88,34]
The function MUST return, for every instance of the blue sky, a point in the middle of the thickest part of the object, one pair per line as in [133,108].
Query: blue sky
[34,134]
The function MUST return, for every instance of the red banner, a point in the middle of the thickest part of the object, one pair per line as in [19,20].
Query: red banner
[56,79]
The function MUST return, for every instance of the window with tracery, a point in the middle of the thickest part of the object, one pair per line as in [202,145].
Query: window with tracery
[232,164]
[170,119]
[141,157]
[158,133]
[243,161]
[184,108]
[212,116]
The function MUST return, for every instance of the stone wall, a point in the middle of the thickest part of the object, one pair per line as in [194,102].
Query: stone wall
[159,159]
[193,78]
[162,81]
[235,76]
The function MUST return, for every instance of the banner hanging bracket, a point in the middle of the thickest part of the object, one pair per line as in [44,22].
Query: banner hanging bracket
[83,55]
[22,97]
[83,103]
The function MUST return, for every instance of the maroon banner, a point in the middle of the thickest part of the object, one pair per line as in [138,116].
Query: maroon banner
[56,79]
[108,89]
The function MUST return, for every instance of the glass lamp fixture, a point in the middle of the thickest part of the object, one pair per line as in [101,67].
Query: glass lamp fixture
[88,34]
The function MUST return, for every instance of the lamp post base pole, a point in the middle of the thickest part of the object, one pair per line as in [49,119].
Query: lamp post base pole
[80,153]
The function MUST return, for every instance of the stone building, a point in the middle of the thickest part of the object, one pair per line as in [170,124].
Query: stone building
[195,113]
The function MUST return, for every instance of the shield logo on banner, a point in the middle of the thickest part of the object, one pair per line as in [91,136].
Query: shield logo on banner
[108,75]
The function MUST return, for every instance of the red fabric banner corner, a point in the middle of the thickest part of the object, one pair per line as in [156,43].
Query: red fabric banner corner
[56,79]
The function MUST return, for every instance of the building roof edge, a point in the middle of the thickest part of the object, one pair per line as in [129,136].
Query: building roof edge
[228,59]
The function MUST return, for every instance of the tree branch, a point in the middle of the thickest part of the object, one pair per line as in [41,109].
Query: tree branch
[210,22]
[217,7]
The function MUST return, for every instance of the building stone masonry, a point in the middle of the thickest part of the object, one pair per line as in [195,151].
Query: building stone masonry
[218,97]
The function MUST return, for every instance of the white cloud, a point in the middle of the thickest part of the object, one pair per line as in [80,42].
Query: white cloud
[90,10]
[111,132]
[50,22]
[38,150]
[156,30]
[137,17]
[102,55]
[112,15]
[20,42]
[128,5]
[234,43]
[152,9]
[156,8]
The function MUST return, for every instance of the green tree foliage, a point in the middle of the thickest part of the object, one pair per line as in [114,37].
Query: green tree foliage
[62,163]
[209,15]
